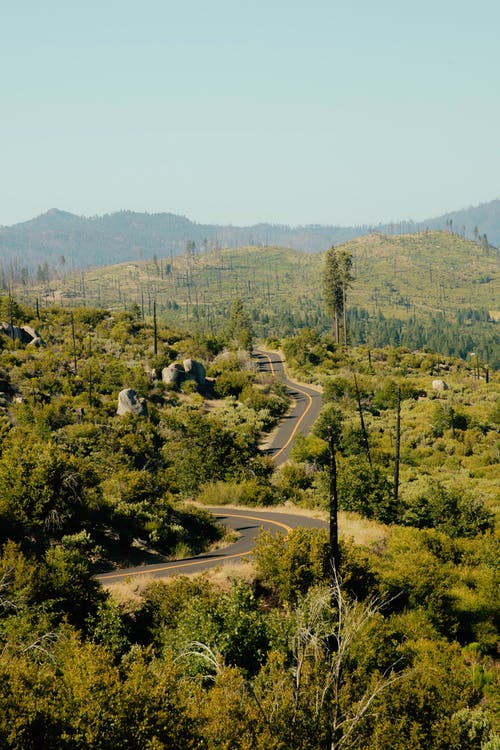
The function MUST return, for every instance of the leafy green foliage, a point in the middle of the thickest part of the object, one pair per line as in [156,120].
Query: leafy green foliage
[44,492]
[277,660]
[366,490]
[454,511]
[295,563]
[199,448]
[239,326]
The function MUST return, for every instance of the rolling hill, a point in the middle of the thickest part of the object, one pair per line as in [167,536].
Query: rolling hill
[406,288]
[61,239]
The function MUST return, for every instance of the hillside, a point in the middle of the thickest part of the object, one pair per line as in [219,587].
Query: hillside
[194,662]
[406,288]
[127,235]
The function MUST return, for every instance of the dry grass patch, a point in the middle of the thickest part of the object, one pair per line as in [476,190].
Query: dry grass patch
[362,531]
[128,593]
[223,576]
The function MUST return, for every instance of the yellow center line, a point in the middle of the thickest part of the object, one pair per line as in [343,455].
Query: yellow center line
[292,434]
[304,393]
[149,571]
[170,566]
[266,355]
[273,371]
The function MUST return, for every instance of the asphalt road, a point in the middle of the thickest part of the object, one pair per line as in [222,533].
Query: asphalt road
[303,413]
[248,523]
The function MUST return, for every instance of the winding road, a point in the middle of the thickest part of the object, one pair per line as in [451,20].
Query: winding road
[248,523]
[300,417]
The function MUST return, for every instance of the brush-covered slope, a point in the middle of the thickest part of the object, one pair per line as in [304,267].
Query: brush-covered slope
[411,278]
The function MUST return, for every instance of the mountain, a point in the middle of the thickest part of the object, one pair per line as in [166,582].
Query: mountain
[127,235]
[61,238]
[485,217]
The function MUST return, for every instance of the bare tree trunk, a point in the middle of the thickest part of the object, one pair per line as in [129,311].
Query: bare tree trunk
[344,311]
[398,447]
[155,330]
[90,372]
[74,341]
[11,317]
[361,419]
[334,506]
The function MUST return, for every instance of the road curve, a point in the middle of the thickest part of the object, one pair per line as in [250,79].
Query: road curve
[248,523]
[303,413]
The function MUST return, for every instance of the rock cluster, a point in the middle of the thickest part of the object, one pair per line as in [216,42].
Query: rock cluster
[190,369]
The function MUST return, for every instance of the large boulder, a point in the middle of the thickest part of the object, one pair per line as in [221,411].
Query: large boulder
[176,374]
[26,334]
[37,342]
[195,371]
[173,374]
[439,385]
[130,403]
[14,332]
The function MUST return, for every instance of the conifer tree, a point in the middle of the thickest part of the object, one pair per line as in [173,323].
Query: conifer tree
[332,288]
[345,265]
[337,278]
[239,328]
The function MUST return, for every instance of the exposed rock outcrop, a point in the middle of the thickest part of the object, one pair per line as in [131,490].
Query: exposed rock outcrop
[195,371]
[130,403]
[173,374]
[190,369]
[25,334]
[439,385]
[151,372]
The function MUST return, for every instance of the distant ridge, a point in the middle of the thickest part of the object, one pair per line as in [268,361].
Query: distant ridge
[127,235]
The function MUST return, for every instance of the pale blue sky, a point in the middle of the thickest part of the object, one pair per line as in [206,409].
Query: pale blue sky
[240,112]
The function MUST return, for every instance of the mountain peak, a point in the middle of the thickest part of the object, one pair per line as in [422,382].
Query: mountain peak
[60,214]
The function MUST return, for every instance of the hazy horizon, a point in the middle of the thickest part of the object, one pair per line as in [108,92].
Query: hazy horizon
[194,219]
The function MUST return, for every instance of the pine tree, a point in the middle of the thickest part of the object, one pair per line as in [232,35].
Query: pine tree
[239,328]
[332,288]
[337,279]
[346,277]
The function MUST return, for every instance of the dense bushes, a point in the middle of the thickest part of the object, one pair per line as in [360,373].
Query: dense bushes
[456,512]
[280,659]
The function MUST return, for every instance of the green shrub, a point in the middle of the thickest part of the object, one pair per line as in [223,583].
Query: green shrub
[456,512]
[290,480]
[339,387]
[386,393]
[294,563]
[366,490]
[232,383]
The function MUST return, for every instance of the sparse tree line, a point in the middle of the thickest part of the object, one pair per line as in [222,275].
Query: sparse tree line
[196,289]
